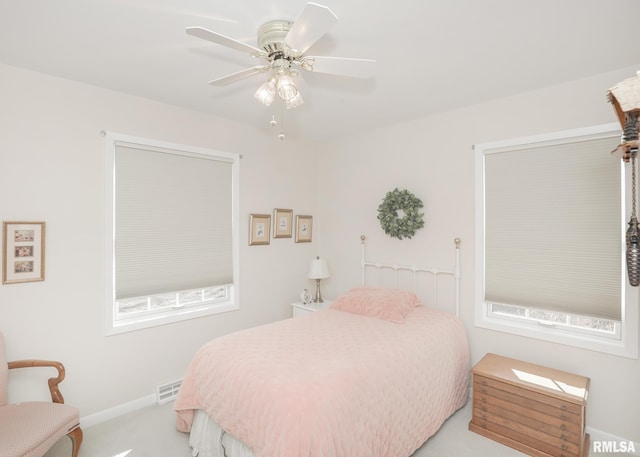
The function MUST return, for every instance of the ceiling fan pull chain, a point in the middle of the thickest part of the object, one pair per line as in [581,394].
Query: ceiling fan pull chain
[281,135]
[633,231]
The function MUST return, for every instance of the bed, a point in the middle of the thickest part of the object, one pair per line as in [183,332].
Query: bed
[374,375]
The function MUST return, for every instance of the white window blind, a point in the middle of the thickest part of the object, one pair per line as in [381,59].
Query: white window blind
[173,220]
[553,235]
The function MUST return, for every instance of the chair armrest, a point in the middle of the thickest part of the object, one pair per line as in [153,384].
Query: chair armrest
[56,396]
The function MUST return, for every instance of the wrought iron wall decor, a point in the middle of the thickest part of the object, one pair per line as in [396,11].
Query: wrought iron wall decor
[625,97]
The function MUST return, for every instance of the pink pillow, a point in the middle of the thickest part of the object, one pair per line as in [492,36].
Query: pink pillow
[388,304]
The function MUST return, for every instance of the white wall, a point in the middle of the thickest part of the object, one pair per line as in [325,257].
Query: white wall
[52,170]
[433,158]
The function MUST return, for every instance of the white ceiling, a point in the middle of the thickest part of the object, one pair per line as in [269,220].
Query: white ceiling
[432,55]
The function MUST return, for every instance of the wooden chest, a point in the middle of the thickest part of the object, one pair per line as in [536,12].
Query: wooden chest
[536,410]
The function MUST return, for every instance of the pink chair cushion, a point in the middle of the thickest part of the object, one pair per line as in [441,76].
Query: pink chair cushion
[29,429]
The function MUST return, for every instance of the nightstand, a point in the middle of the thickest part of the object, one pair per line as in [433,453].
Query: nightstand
[301,309]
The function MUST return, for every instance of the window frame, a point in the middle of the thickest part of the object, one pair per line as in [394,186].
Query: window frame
[115,324]
[627,343]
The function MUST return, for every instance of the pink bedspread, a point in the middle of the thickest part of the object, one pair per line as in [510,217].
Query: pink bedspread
[332,384]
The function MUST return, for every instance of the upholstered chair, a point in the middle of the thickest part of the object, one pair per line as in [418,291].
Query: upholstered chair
[29,429]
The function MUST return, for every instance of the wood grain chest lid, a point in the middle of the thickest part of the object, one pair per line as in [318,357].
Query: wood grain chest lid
[556,383]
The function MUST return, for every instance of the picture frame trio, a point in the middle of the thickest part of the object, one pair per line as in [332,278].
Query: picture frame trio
[283,227]
[22,252]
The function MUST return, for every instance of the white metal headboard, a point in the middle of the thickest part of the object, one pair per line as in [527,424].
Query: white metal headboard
[435,272]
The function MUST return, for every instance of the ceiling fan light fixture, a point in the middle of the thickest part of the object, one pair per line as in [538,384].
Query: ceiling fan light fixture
[283,45]
[266,92]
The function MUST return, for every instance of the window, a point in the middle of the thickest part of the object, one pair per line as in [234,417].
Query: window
[172,232]
[550,214]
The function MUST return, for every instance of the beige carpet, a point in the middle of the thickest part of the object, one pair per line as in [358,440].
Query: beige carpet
[150,432]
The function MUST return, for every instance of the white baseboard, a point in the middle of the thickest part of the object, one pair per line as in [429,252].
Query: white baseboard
[117,411]
[599,435]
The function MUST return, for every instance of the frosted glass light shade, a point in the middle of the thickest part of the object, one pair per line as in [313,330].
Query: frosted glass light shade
[295,101]
[287,89]
[267,92]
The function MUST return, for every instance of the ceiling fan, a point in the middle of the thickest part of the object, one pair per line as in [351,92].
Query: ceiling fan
[283,45]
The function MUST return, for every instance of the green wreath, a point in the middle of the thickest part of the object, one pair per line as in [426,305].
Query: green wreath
[408,222]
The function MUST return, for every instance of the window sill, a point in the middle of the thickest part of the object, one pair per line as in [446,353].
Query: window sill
[627,346]
[172,316]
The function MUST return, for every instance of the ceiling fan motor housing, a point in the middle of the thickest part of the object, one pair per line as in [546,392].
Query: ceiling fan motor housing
[271,38]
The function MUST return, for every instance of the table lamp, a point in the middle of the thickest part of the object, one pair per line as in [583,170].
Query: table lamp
[318,270]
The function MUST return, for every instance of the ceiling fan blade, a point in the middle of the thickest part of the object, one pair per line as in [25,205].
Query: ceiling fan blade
[357,68]
[205,34]
[314,21]
[223,81]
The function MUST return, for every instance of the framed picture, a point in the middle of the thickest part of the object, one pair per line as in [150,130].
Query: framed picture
[304,225]
[282,223]
[22,252]
[259,229]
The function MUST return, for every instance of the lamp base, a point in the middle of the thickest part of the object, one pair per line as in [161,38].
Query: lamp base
[318,298]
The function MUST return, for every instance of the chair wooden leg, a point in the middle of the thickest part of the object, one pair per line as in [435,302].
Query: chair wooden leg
[76,441]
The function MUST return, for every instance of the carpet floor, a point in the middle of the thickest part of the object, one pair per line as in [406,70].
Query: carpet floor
[150,432]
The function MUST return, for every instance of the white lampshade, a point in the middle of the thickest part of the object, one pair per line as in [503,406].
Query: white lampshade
[318,269]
